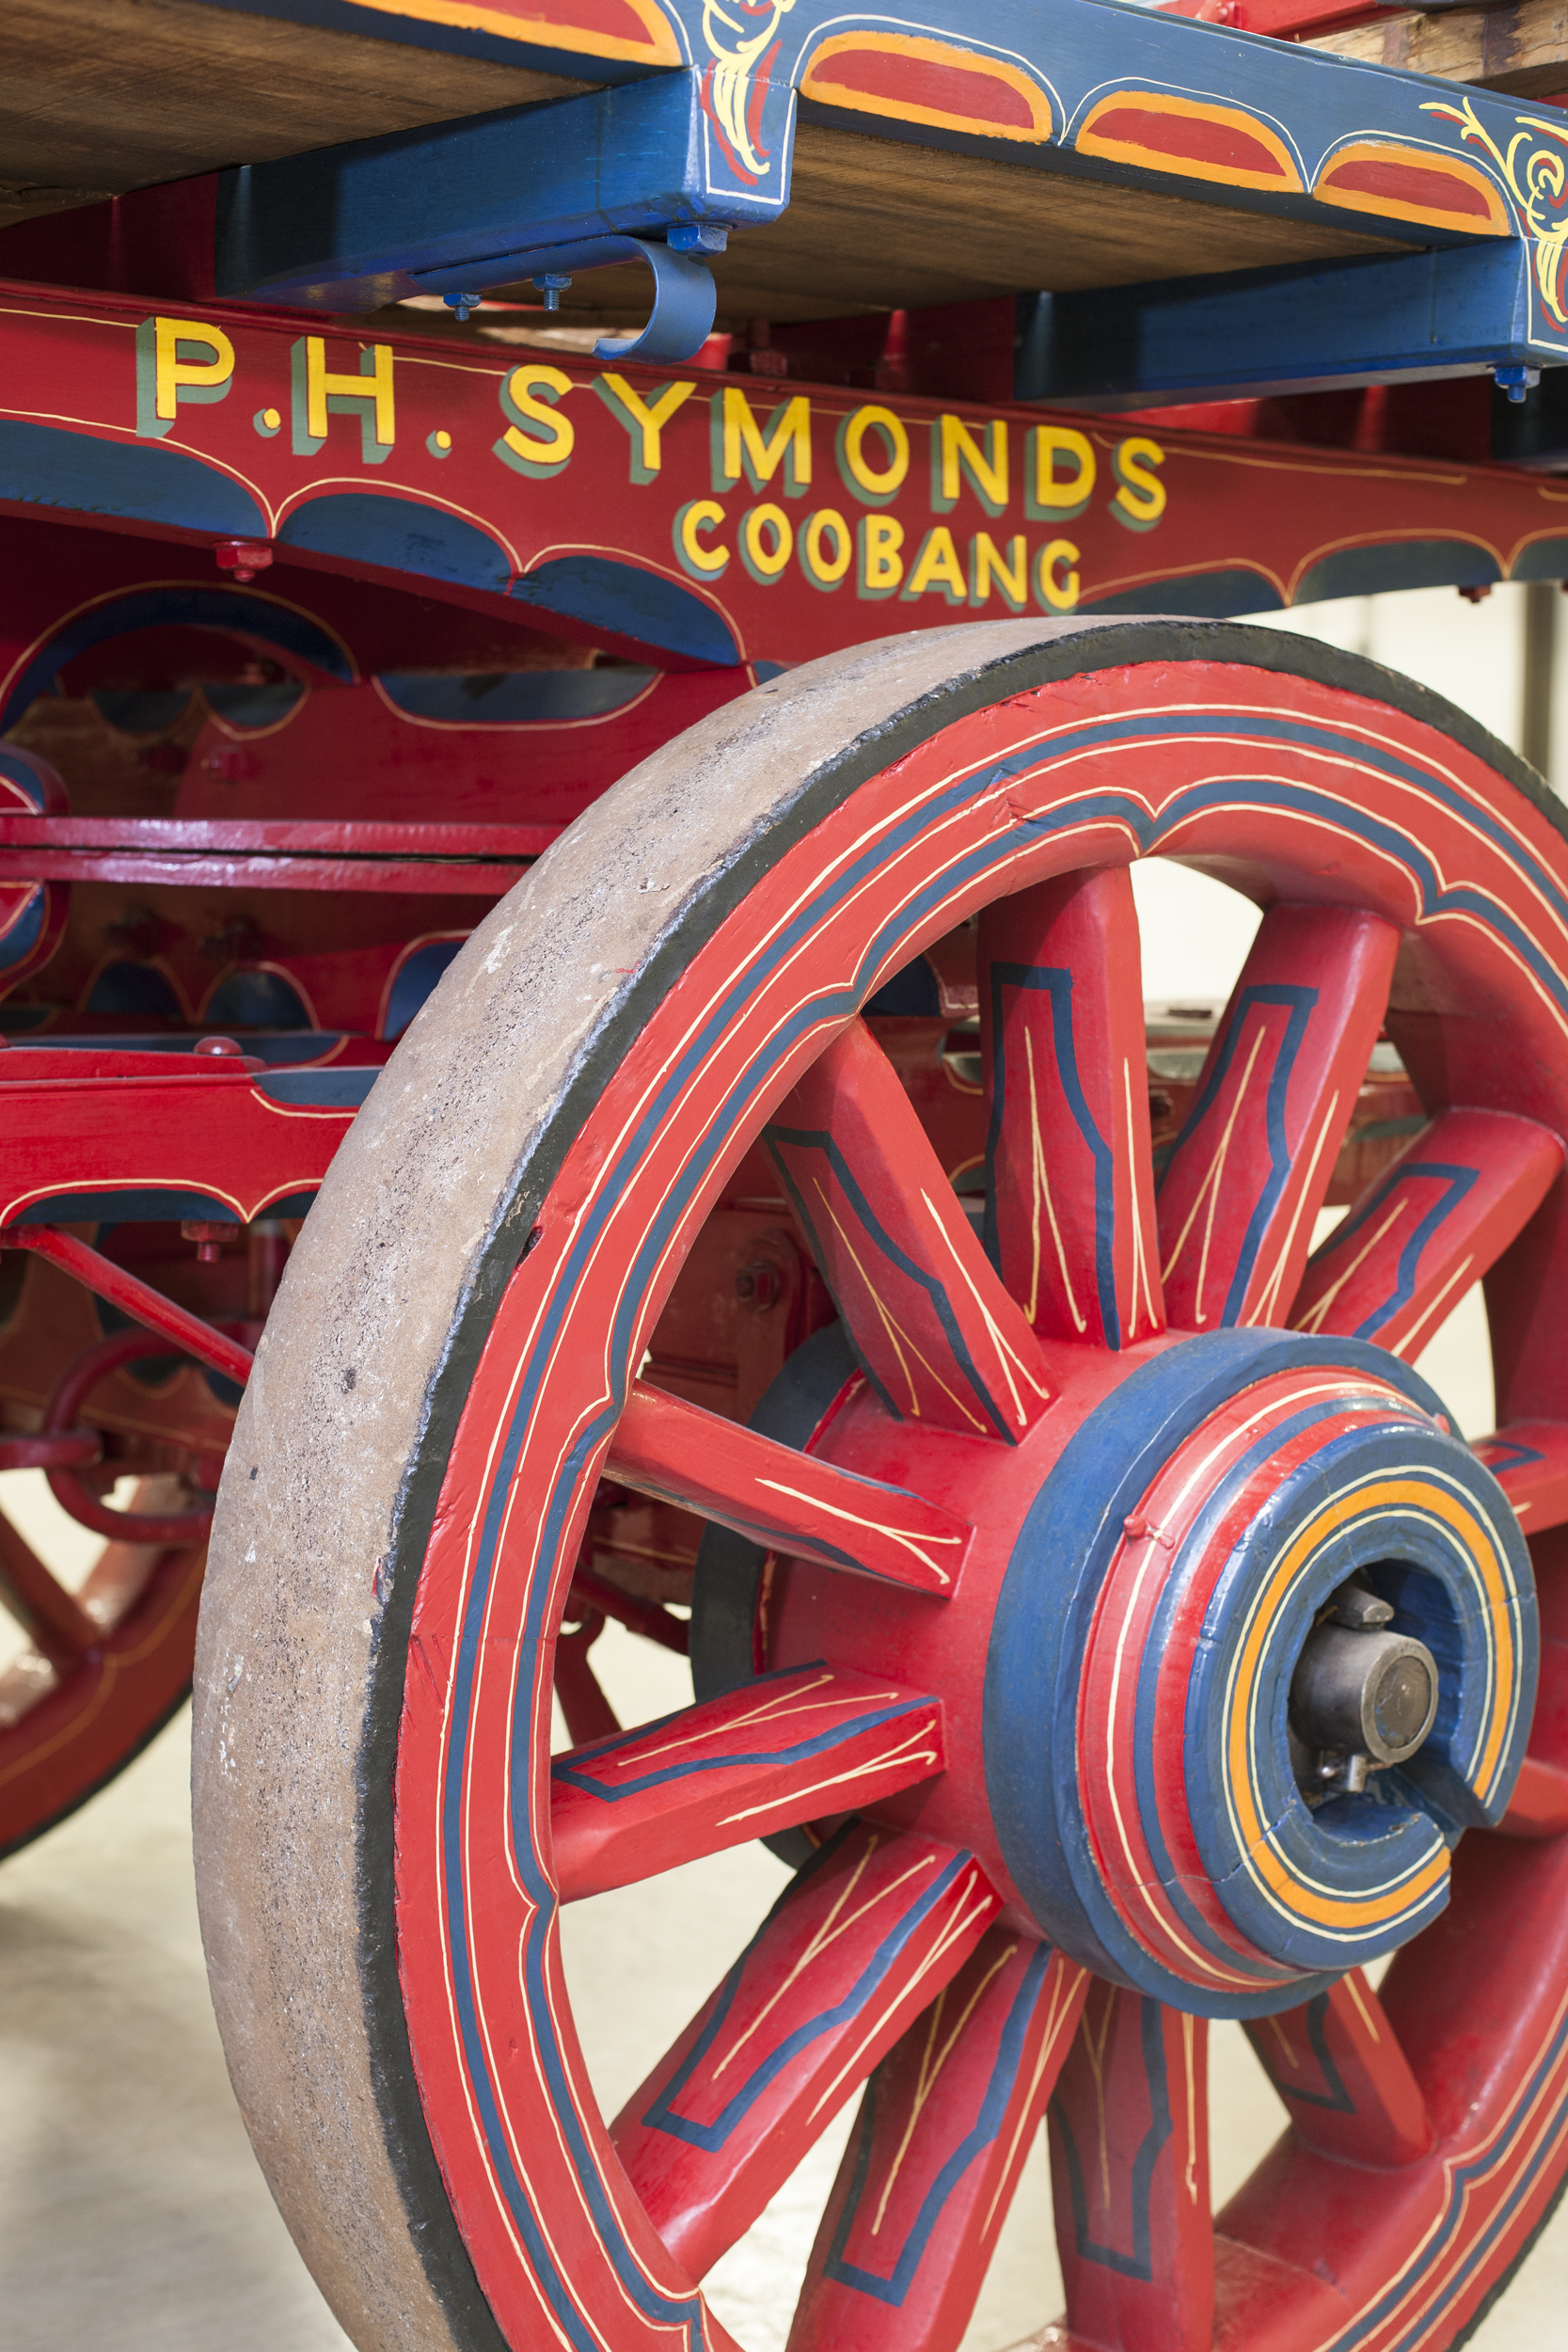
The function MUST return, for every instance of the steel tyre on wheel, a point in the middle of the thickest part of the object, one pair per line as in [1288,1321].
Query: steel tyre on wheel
[1113,1615]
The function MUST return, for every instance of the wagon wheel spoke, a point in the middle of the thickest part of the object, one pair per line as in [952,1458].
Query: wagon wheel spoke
[946,2124]
[55,1619]
[588,1713]
[848,1956]
[937,1334]
[1253,1162]
[1345,2081]
[1129,2176]
[783,1498]
[1069,1194]
[1428,1228]
[785,1749]
[1539,1805]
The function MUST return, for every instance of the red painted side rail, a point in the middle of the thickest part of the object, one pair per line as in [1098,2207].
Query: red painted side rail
[275,837]
[420,860]
[1130,507]
[134,1298]
[221,1136]
[448,878]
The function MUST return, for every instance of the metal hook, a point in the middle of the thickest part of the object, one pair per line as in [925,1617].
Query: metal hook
[685,296]
[681,319]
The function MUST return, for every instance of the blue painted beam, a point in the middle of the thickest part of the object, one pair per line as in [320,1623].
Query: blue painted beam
[1464,312]
[478,202]
[1119,92]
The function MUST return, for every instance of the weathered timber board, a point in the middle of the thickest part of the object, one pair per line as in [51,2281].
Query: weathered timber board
[874,224]
[98,96]
[1523,50]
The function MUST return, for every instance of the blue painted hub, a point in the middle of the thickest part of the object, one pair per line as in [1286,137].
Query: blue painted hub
[1398,1492]
[1305,1893]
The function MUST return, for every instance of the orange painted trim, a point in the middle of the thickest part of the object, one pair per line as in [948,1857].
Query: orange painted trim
[818,84]
[1285,180]
[535,25]
[1436,167]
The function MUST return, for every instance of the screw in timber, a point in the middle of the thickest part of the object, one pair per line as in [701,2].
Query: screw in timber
[758,1285]
[1516,381]
[207,1237]
[245,558]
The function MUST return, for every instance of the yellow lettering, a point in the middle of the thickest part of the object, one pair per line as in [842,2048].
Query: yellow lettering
[874,486]
[1050,497]
[195,374]
[957,456]
[741,447]
[1057,593]
[882,566]
[1010,573]
[538,440]
[937,566]
[1140,502]
[764,562]
[644,421]
[179,360]
[700,561]
[822,570]
[373,385]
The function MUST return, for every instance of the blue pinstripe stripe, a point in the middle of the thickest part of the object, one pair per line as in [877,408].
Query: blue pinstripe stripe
[1300,1004]
[1458,1182]
[892,2286]
[711,2137]
[817,1140]
[1057,984]
[580,1776]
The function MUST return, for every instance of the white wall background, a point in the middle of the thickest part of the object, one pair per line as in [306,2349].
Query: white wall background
[1195,932]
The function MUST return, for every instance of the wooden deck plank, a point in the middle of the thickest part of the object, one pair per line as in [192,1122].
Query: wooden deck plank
[1522,50]
[871,225]
[99,96]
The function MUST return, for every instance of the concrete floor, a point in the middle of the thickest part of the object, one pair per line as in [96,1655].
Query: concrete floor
[132,2216]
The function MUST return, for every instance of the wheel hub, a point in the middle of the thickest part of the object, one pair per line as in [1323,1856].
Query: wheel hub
[1281,1682]
[1230,1667]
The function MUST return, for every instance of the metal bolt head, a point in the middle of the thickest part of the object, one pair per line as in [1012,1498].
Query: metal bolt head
[1370,1693]
[1354,1605]
[758,1285]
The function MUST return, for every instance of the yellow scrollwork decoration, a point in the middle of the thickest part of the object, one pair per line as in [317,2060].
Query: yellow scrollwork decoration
[737,36]
[1534,164]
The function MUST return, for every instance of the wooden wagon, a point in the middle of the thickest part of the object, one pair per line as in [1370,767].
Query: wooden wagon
[599,597]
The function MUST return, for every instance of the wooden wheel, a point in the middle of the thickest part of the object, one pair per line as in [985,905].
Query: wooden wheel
[103,1669]
[1109,1612]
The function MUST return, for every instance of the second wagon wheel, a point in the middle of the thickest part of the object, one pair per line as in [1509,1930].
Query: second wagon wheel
[1112,1616]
